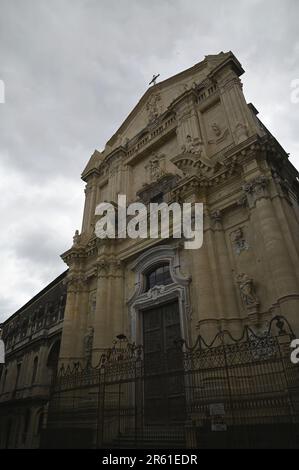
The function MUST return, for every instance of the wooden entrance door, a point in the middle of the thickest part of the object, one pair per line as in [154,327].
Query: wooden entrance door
[164,396]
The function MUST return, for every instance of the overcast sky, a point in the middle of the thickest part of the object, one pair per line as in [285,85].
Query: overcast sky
[73,69]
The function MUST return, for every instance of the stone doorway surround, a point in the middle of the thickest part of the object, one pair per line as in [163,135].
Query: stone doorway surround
[178,290]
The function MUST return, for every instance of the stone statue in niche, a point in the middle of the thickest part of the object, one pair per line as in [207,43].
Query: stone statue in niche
[238,241]
[192,145]
[76,238]
[88,342]
[220,134]
[247,291]
[152,108]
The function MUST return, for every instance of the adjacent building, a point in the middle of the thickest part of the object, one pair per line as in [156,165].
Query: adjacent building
[32,341]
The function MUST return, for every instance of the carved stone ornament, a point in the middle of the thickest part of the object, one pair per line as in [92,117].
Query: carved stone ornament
[155,169]
[155,291]
[247,291]
[76,238]
[220,134]
[256,189]
[192,145]
[238,241]
[152,108]
[216,217]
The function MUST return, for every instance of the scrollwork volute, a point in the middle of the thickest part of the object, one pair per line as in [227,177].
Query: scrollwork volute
[256,189]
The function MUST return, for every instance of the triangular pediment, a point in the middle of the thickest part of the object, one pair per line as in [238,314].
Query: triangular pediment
[158,98]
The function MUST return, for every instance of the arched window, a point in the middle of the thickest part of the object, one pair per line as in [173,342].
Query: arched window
[53,357]
[34,371]
[158,276]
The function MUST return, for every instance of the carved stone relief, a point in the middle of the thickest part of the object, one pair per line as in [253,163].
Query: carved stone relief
[192,145]
[219,134]
[247,291]
[152,107]
[216,126]
[256,189]
[155,168]
[238,241]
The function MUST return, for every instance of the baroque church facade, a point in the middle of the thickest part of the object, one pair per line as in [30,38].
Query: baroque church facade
[191,138]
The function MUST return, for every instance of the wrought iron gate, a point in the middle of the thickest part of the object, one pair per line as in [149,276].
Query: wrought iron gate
[228,393]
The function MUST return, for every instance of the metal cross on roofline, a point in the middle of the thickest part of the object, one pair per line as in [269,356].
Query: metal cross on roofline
[153,80]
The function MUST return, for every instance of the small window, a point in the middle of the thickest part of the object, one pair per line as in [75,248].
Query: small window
[158,276]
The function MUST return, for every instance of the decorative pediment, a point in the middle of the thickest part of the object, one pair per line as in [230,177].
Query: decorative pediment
[191,164]
[159,98]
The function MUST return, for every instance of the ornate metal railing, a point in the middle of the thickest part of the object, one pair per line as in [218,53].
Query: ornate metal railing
[244,388]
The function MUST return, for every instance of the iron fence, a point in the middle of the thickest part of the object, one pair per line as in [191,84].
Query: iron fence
[231,392]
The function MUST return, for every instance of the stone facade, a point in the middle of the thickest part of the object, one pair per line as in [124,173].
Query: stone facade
[191,138]
[32,342]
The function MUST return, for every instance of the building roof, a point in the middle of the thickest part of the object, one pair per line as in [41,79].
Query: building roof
[35,298]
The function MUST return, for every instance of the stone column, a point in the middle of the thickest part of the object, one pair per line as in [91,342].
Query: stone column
[90,204]
[202,276]
[239,116]
[287,219]
[225,274]
[82,308]
[68,351]
[86,208]
[116,299]
[284,281]
[101,341]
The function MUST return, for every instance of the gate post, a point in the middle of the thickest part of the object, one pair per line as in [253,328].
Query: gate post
[190,435]
[101,408]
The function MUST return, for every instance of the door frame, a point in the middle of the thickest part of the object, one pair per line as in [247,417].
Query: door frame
[164,375]
[178,290]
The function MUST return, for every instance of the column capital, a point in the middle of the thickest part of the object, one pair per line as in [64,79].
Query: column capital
[256,189]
